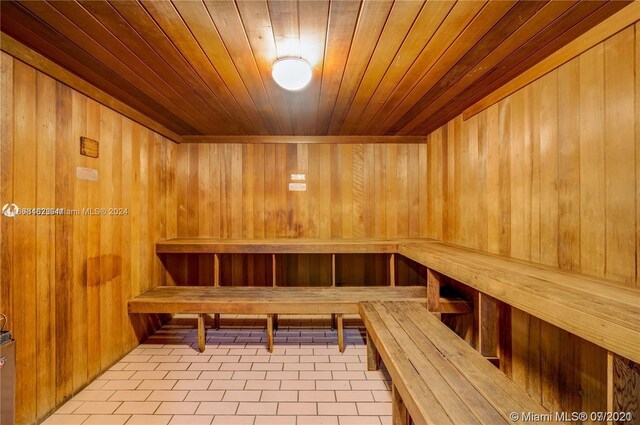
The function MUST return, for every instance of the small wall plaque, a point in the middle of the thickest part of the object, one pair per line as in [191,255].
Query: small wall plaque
[89,147]
[298,177]
[83,173]
[297,187]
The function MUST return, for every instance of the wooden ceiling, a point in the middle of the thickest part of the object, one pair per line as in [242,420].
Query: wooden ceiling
[379,67]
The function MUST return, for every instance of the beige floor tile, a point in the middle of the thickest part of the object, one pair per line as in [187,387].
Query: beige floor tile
[348,375]
[205,395]
[138,407]
[354,395]
[282,375]
[233,420]
[291,396]
[241,374]
[275,420]
[65,419]
[203,366]
[262,385]
[330,366]
[244,395]
[149,420]
[337,409]
[172,366]
[236,366]
[298,385]
[227,384]
[257,408]
[317,396]
[216,374]
[379,409]
[130,395]
[93,395]
[141,366]
[195,359]
[106,420]
[297,408]
[122,374]
[333,385]
[191,420]
[369,385]
[359,420]
[157,384]
[183,374]
[321,375]
[268,366]
[317,420]
[178,407]
[192,384]
[69,407]
[382,396]
[97,407]
[121,384]
[168,395]
[150,374]
[297,366]
[217,408]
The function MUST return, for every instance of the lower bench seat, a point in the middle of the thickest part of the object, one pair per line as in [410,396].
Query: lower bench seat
[204,300]
[437,377]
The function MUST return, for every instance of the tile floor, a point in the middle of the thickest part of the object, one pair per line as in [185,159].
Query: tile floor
[306,380]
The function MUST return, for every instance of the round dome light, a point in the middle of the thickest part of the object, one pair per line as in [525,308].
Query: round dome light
[292,73]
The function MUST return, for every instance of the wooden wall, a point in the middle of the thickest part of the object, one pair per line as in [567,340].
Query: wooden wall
[65,279]
[550,174]
[241,191]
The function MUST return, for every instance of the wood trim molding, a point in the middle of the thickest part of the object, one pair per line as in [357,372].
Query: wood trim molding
[304,139]
[23,53]
[609,27]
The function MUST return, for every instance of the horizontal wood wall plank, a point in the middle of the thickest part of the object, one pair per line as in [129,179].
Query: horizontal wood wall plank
[303,139]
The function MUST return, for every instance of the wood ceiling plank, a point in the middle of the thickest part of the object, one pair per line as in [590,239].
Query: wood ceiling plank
[233,66]
[257,27]
[373,16]
[495,79]
[401,19]
[286,34]
[513,30]
[109,29]
[456,21]
[343,17]
[128,21]
[431,17]
[234,33]
[19,23]
[171,23]
[489,16]
[71,21]
[313,19]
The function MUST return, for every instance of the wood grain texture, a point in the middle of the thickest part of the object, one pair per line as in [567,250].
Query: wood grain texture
[65,279]
[576,210]
[382,67]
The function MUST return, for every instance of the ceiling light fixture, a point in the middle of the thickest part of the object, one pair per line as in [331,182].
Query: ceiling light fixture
[292,73]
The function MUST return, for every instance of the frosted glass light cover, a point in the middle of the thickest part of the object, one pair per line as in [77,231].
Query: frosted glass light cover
[292,73]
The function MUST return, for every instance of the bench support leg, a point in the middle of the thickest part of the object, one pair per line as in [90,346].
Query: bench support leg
[399,413]
[340,333]
[372,354]
[201,332]
[333,321]
[270,332]
[216,321]
[275,322]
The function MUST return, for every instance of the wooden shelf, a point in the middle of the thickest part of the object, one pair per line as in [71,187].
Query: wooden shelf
[276,246]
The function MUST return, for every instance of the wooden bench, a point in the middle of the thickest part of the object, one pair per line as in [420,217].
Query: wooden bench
[202,300]
[437,378]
